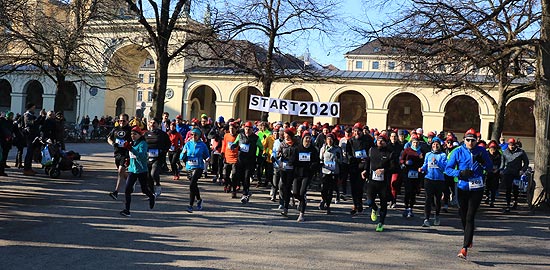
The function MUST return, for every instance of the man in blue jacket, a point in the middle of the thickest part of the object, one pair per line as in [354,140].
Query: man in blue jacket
[468,162]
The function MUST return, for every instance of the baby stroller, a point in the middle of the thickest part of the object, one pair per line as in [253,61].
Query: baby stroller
[55,160]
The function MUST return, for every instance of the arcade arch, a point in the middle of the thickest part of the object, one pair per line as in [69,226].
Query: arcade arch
[120,106]
[5,93]
[404,112]
[241,104]
[34,91]
[202,101]
[299,94]
[461,114]
[519,119]
[352,108]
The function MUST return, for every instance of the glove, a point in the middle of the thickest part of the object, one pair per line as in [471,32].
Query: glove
[479,159]
[465,174]
[115,145]
[127,145]
[409,162]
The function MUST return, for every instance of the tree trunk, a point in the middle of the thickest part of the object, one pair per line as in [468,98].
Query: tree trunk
[266,92]
[61,83]
[159,90]
[500,110]
[542,101]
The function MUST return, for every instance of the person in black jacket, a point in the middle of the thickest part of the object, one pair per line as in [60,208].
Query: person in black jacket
[493,177]
[31,127]
[357,150]
[305,166]
[286,156]
[248,143]
[118,137]
[514,163]
[378,175]
[396,148]
[158,144]
[6,136]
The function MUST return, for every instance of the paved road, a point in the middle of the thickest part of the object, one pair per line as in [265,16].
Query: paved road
[71,223]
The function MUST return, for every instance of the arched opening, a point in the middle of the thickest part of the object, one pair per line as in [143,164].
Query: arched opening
[195,109]
[65,101]
[120,106]
[34,91]
[241,104]
[352,108]
[206,98]
[300,95]
[519,119]
[130,68]
[5,93]
[461,114]
[404,112]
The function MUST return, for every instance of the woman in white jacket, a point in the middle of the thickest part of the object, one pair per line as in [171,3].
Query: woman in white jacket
[331,157]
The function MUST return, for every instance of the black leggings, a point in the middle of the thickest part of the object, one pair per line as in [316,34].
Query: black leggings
[299,190]
[357,184]
[508,180]
[380,189]
[468,202]
[174,157]
[286,186]
[492,185]
[154,173]
[433,188]
[230,175]
[329,185]
[130,181]
[343,179]
[217,165]
[194,192]
[244,172]
[411,187]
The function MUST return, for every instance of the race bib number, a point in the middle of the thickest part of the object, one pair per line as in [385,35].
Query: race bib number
[330,165]
[172,148]
[432,165]
[412,174]
[287,166]
[304,156]
[244,147]
[361,154]
[229,144]
[377,177]
[120,141]
[193,161]
[475,183]
[132,155]
[153,152]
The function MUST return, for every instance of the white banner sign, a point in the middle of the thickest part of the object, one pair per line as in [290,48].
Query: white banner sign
[294,107]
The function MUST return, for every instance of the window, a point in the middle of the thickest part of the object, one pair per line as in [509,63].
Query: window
[376,49]
[530,70]
[152,78]
[140,96]
[375,65]
[150,96]
[140,76]
[359,64]
[391,65]
[441,68]
[408,66]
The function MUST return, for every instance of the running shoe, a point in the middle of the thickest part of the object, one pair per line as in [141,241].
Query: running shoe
[190,209]
[393,205]
[199,204]
[426,223]
[353,212]
[158,190]
[151,202]
[410,213]
[373,215]
[113,195]
[280,207]
[215,179]
[300,218]
[405,213]
[328,210]
[244,199]
[437,221]
[507,210]
[125,213]
[322,205]
[285,212]
[380,227]
[463,253]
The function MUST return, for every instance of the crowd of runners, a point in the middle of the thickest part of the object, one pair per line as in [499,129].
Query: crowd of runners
[390,167]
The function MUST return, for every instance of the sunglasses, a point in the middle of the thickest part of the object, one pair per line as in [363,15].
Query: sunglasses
[470,140]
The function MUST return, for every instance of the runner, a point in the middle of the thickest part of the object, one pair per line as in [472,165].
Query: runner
[278,134]
[378,177]
[137,171]
[434,181]
[158,144]
[287,156]
[248,143]
[331,158]
[357,149]
[493,177]
[194,153]
[230,160]
[411,160]
[468,162]
[176,144]
[117,138]
[342,185]
[514,163]
[395,183]
[304,169]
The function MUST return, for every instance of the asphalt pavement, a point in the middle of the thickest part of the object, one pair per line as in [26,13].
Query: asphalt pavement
[72,223]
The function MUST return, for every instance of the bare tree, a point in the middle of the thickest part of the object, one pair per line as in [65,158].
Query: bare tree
[268,28]
[52,38]
[473,45]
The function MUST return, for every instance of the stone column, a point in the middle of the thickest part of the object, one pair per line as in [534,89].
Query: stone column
[17,103]
[432,121]
[225,109]
[377,118]
[486,119]
[48,101]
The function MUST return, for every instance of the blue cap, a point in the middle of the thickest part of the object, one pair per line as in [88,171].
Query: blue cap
[221,119]
[196,131]
[437,139]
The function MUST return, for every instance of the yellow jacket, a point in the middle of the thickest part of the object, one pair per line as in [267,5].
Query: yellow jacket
[267,143]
